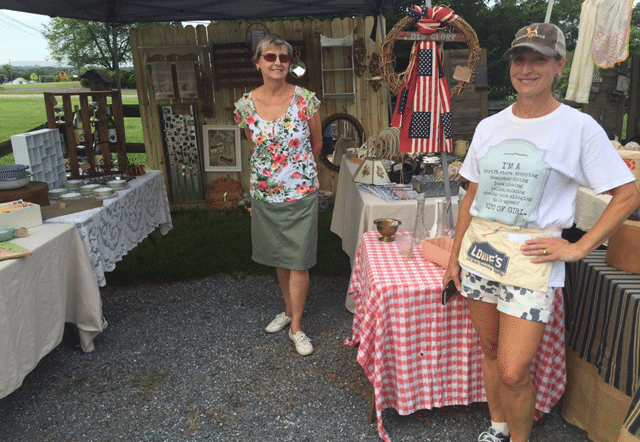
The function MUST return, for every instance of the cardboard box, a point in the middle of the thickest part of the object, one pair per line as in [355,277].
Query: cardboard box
[632,160]
[71,206]
[623,249]
[26,217]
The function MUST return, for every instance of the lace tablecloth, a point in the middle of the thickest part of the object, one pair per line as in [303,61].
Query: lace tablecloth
[110,231]
[419,354]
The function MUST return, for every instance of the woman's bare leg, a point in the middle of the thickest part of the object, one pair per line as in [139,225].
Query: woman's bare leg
[294,285]
[485,318]
[518,344]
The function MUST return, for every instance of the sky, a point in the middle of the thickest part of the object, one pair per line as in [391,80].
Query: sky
[21,40]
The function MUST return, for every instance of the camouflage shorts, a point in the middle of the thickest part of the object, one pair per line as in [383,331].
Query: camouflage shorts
[511,300]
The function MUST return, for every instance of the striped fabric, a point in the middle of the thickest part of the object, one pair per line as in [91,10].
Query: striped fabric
[603,306]
[423,110]
[632,421]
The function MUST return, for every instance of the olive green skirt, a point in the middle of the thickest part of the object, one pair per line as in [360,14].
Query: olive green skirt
[285,234]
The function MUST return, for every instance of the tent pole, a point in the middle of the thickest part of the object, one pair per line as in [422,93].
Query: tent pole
[116,64]
[383,35]
[549,9]
[447,186]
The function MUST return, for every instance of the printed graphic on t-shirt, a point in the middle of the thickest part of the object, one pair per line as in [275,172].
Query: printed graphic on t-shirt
[513,175]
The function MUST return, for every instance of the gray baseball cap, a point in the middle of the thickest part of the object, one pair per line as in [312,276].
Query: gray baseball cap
[545,38]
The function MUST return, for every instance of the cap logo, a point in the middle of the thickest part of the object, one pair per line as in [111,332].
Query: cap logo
[532,32]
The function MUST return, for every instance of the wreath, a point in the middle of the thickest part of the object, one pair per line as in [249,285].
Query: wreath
[388,60]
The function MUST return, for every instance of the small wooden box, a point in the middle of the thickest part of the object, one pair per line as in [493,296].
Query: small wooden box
[623,249]
[71,206]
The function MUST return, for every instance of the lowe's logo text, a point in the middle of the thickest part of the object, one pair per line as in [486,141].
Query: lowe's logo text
[485,254]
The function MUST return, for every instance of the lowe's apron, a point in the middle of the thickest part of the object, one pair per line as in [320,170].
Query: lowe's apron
[493,249]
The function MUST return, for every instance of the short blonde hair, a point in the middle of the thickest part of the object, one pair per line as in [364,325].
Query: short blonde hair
[266,41]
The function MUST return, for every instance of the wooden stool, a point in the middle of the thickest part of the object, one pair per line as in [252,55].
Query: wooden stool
[35,192]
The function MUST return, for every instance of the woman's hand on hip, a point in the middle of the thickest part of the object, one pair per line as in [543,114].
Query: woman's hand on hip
[551,249]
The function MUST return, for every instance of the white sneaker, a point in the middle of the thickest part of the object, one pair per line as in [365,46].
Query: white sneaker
[280,322]
[303,343]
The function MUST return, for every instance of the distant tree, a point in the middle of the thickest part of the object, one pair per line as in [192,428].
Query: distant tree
[79,43]
[634,39]
[33,77]
[6,71]
[496,22]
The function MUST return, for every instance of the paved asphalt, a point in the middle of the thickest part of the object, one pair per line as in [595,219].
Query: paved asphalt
[191,362]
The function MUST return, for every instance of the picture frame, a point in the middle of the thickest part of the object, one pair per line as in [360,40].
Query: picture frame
[221,146]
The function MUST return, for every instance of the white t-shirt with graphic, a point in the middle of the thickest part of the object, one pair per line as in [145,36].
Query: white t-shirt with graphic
[529,170]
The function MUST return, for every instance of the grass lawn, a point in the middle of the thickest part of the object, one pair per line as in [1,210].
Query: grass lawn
[204,242]
[21,114]
[36,88]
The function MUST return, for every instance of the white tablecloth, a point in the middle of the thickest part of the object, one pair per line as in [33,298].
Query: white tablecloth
[38,294]
[110,231]
[355,210]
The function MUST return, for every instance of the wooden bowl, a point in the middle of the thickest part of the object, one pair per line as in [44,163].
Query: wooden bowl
[387,228]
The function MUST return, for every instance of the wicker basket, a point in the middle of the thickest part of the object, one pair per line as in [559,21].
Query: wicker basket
[224,193]
[437,250]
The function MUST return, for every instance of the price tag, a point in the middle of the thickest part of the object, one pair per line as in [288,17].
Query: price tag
[462,73]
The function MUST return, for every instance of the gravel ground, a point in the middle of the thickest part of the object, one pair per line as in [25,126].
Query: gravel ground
[191,362]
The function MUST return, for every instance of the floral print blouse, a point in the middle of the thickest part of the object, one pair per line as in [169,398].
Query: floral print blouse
[282,165]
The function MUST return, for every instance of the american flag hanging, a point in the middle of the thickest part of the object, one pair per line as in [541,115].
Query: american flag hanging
[423,111]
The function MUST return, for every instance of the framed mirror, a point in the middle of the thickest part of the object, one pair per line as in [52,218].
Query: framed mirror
[297,68]
[339,133]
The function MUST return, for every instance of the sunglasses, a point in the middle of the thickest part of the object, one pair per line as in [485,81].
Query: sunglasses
[270,57]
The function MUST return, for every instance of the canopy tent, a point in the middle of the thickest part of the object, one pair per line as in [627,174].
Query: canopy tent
[121,12]
[117,12]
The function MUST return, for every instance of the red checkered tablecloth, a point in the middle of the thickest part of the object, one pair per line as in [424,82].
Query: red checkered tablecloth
[419,354]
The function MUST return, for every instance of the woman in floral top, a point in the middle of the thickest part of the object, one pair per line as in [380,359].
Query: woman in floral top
[283,125]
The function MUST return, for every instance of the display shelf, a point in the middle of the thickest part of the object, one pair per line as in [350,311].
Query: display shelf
[100,122]
[338,51]
[41,150]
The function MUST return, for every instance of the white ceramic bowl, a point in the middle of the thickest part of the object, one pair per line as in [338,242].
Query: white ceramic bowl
[57,193]
[73,184]
[103,191]
[88,189]
[70,196]
[117,184]
[10,172]
[106,197]
[15,183]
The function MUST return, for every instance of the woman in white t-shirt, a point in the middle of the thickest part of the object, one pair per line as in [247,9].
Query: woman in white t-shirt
[525,165]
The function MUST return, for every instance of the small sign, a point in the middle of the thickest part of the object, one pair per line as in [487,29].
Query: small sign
[440,36]
[462,73]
